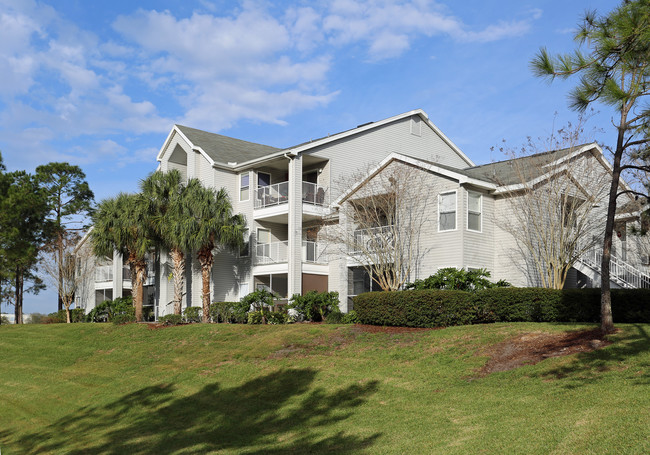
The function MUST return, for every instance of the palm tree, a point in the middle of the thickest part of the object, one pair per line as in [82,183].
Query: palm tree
[171,220]
[123,224]
[212,225]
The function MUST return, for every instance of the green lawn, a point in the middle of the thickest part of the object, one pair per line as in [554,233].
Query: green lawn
[99,388]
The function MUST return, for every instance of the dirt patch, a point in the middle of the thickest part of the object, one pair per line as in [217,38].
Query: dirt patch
[531,348]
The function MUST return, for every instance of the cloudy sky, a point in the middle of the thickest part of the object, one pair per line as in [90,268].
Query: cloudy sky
[100,84]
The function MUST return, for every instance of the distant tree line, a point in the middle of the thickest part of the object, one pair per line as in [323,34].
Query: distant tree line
[40,214]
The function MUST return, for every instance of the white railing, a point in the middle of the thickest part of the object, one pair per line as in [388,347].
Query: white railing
[278,252]
[373,239]
[313,252]
[620,272]
[271,253]
[104,273]
[278,193]
[268,196]
[313,194]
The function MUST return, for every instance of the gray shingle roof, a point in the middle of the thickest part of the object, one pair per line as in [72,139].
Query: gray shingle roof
[224,149]
[511,172]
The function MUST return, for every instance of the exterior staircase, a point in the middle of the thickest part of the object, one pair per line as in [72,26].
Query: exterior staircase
[621,273]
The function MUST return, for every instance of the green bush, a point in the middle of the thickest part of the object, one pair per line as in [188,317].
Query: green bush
[335,317]
[109,309]
[60,317]
[440,308]
[271,317]
[259,301]
[315,306]
[452,278]
[123,318]
[171,319]
[5,320]
[350,317]
[192,314]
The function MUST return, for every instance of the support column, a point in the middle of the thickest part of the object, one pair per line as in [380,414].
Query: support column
[294,252]
[118,276]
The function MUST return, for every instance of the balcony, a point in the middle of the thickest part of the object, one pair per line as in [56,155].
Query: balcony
[380,238]
[271,202]
[277,253]
[103,273]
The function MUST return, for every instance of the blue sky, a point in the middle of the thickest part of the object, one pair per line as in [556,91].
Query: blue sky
[100,84]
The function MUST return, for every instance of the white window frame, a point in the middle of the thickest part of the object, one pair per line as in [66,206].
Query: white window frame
[455,211]
[480,211]
[241,187]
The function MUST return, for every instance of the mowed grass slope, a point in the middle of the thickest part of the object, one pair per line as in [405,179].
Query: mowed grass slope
[99,388]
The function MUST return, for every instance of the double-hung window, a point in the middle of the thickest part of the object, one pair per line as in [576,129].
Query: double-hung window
[447,211]
[474,208]
[244,186]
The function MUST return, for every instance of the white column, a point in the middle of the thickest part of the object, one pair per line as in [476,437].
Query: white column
[295,226]
[118,277]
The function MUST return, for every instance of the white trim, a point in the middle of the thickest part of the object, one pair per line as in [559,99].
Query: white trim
[455,211]
[480,211]
[394,156]
[176,130]
[240,187]
[360,129]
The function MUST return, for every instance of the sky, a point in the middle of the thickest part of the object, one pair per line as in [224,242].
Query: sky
[100,84]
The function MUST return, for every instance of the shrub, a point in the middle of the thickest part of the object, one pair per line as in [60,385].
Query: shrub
[458,279]
[109,309]
[123,318]
[259,301]
[335,317]
[171,319]
[60,317]
[192,314]
[5,320]
[350,318]
[315,306]
[271,317]
[36,318]
[221,311]
[439,308]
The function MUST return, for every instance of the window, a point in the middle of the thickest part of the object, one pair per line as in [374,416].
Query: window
[474,206]
[244,186]
[447,211]
[245,250]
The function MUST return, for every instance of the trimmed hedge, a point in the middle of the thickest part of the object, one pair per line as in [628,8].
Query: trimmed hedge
[442,308]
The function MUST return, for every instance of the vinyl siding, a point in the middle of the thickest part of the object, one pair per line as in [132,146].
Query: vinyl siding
[356,153]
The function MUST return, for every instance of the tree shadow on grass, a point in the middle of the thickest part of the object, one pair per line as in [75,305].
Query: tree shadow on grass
[588,367]
[277,413]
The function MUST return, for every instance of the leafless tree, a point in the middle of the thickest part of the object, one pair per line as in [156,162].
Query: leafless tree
[553,196]
[381,218]
[68,271]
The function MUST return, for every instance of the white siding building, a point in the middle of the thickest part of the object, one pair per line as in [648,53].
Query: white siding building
[287,195]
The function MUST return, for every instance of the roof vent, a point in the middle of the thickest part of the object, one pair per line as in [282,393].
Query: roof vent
[232,163]
[365,124]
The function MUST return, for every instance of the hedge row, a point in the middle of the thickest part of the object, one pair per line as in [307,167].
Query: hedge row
[442,308]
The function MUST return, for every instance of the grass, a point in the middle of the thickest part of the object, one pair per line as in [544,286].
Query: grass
[98,388]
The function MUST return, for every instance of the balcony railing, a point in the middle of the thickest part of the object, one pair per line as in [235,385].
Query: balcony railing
[313,252]
[271,253]
[377,238]
[278,193]
[277,252]
[104,273]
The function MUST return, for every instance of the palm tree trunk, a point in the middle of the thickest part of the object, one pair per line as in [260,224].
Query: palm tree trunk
[178,273]
[206,260]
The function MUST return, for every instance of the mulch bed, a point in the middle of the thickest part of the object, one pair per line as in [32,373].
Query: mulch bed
[531,348]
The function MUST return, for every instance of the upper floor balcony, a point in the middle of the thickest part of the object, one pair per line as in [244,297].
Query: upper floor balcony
[277,253]
[272,201]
